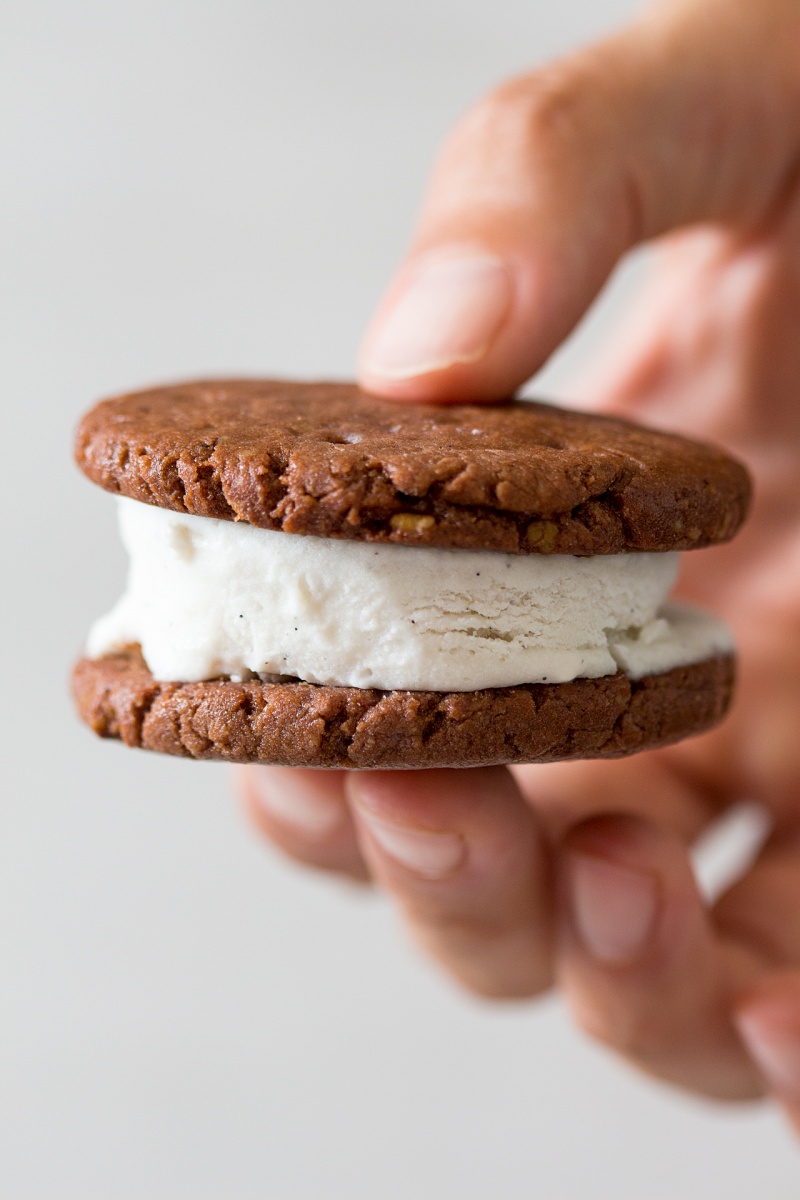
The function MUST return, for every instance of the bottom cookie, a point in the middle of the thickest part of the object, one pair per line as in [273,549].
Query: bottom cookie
[309,725]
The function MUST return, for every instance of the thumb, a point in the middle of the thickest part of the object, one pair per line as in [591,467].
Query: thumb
[690,114]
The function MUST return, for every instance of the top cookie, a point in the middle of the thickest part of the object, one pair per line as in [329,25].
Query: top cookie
[327,459]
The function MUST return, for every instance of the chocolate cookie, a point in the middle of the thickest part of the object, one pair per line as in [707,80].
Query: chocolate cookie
[300,724]
[328,460]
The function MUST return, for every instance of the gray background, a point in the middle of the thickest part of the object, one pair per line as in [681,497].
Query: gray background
[223,186]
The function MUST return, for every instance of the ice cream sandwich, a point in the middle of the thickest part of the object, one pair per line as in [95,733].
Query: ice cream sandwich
[322,578]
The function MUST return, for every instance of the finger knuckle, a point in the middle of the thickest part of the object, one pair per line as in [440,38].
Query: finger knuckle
[524,984]
[552,104]
[491,960]
[534,115]
[446,924]
[632,1033]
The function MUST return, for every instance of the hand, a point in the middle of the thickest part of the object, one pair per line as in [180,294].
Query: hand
[684,128]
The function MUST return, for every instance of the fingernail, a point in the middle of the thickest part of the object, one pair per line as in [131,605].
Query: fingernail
[449,312]
[291,804]
[776,1052]
[428,854]
[614,908]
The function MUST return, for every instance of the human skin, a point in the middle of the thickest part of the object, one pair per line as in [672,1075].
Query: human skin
[682,130]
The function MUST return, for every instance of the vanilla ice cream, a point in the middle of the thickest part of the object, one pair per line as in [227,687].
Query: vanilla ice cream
[207,598]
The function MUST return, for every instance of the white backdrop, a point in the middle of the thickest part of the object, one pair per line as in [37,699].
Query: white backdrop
[195,186]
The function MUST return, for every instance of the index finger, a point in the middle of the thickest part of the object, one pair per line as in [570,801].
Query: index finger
[548,181]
